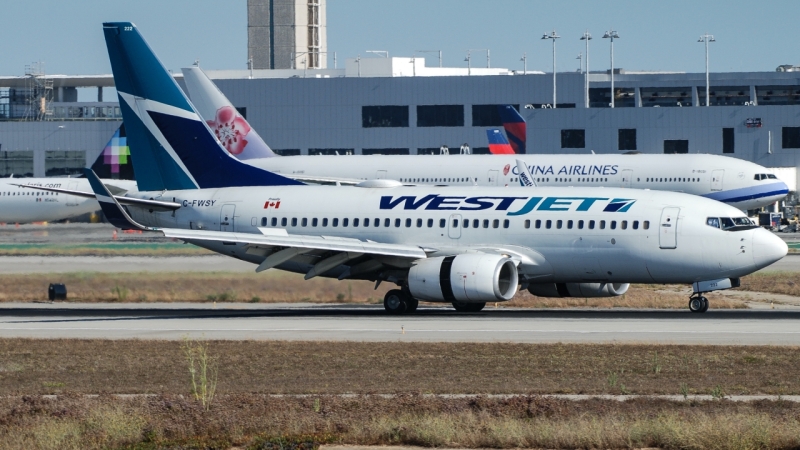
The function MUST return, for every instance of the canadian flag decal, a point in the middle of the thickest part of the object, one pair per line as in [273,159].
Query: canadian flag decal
[272,203]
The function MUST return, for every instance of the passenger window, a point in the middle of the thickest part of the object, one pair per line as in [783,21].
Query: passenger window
[455,223]
[345,222]
[485,223]
[325,222]
[527,223]
[294,221]
[397,223]
[613,224]
[558,224]
[505,223]
[335,222]
[635,224]
[580,224]
[304,222]
[314,222]
[548,224]
[263,221]
[355,222]
[538,223]
[443,222]
[569,224]
[602,224]
[476,223]
[624,225]
[466,223]
[283,222]
[408,223]
[387,222]
[646,225]
[495,223]
[366,222]
[430,223]
[274,221]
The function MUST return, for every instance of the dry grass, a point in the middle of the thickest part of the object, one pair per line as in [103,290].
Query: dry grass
[103,249]
[278,287]
[257,422]
[787,283]
[30,367]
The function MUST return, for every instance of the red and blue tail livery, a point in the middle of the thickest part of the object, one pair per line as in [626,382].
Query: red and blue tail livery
[515,127]
[498,144]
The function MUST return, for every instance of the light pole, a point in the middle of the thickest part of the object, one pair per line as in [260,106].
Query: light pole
[586,37]
[611,35]
[707,38]
[433,51]
[553,36]
[580,62]
[468,59]
[524,60]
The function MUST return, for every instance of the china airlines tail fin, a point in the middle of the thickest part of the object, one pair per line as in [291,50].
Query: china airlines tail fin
[171,146]
[236,135]
[515,127]
[114,162]
[498,144]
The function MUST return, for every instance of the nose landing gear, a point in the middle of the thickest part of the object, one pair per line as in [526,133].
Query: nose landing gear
[698,303]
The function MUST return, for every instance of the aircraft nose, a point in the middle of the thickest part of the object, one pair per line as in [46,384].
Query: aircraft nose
[767,248]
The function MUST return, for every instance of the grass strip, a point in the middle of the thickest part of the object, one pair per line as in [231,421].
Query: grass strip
[276,286]
[30,367]
[104,249]
[253,422]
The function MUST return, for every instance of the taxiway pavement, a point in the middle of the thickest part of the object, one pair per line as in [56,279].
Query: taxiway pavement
[370,323]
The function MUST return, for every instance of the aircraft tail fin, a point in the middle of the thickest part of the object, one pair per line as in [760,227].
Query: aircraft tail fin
[236,135]
[114,162]
[498,144]
[171,146]
[525,177]
[515,127]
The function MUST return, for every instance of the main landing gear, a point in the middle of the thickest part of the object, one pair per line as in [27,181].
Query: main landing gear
[698,303]
[399,301]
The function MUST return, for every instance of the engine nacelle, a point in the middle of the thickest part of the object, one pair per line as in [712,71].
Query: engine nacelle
[467,278]
[578,289]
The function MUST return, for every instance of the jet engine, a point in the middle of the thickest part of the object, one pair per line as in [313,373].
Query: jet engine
[466,278]
[578,289]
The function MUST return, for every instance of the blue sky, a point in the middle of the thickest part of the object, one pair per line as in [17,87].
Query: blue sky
[751,36]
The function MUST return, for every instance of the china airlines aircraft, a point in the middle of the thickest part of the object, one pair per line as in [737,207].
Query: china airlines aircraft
[19,204]
[736,182]
[464,245]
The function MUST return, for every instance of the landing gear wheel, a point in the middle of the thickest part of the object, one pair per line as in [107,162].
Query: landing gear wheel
[468,307]
[698,304]
[395,302]
[411,304]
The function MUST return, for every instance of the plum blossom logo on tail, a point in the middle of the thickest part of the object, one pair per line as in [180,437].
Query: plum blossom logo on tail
[230,128]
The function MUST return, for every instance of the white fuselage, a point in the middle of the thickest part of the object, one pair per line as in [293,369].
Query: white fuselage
[25,205]
[568,234]
[730,180]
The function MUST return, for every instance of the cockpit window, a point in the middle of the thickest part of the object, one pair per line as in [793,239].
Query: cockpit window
[765,176]
[731,223]
[771,176]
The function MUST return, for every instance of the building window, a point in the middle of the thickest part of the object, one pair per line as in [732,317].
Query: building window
[573,138]
[676,146]
[488,115]
[727,140]
[287,152]
[384,151]
[440,116]
[17,163]
[724,95]
[790,137]
[64,162]
[242,110]
[331,151]
[384,116]
[627,139]
[666,97]
[777,95]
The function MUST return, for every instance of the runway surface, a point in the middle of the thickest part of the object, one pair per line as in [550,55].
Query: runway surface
[370,323]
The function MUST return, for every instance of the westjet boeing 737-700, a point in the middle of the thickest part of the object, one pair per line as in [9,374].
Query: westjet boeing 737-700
[466,245]
[739,183]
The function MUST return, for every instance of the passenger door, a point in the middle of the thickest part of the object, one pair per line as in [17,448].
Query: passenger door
[493,177]
[668,228]
[716,179]
[380,175]
[226,218]
[627,176]
[454,226]
[72,200]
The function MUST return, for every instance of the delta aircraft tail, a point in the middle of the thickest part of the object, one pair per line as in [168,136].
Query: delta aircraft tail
[114,162]
[498,144]
[515,127]
[232,130]
[172,147]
